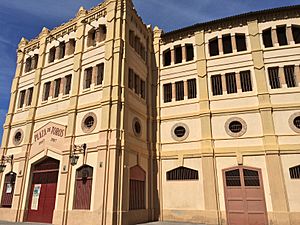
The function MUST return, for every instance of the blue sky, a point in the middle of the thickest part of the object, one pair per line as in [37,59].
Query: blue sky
[19,18]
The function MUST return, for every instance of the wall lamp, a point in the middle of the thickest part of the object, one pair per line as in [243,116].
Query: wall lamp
[74,154]
[4,160]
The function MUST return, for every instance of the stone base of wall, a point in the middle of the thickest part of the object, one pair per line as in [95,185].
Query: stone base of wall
[8,214]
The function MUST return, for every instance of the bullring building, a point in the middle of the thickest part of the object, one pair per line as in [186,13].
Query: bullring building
[112,122]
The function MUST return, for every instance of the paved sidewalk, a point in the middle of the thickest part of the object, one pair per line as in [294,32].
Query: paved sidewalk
[9,223]
[150,223]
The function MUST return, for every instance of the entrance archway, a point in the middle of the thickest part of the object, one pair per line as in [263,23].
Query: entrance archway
[43,191]
[244,196]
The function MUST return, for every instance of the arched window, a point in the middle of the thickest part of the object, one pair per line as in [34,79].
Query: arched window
[83,187]
[8,189]
[182,173]
[137,194]
[295,172]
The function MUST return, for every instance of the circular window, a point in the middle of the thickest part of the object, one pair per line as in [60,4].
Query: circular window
[136,126]
[235,127]
[18,137]
[89,122]
[294,122]
[180,131]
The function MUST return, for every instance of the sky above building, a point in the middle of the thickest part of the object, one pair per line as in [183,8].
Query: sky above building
[19,18]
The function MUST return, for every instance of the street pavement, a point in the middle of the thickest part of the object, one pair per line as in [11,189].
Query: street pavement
[150,223]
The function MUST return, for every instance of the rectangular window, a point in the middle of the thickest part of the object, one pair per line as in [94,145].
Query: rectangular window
[227,46]
[130,78]
[88,77]
[168,92]
[51,56]
[240,40]
[62,49]
[213,47]
[29,96]
[46,91]
[136,43]
[72,45]
[91,41]
[28,65]
[136,84]
[192,88]
[230,83]
[143,89]
[289,76]
[216,83]
[246,83]
[68,80]
[56,87]
[103,32]
[273,77]
[100,73]
[179,90]
[34,61]
[167,57]
[295,172]
[281,35]
[189,52]
[296,34]
[22,98]
[267,38]
[178,54]
[8,190]
[131,38]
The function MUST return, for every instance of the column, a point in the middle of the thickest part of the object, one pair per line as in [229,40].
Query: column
[297,74]
[183,53]
[62,85]
[173,92]
[220,45]
[233,42]
[274,37]
[98,35]
[289,35]
[185,87]
[224,87]
[57,52]
[211,212]
[238,81]
[51,93]
[172,56]
[94,75]
[281,77]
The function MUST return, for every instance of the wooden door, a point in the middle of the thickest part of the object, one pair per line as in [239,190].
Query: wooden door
[244,196]
[42,196]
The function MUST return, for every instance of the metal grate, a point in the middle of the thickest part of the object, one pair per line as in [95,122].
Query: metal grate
[216,83]
[182,173]
[251,177]
[233,178]
[231,83]
[179,90]
[246,83]
[295,172]
[289,76]
[297,122]
[137,198]
[273,77]
[168,92]
[235,126]
[192,88]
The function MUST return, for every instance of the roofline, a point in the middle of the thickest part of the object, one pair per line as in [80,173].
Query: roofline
[241,18]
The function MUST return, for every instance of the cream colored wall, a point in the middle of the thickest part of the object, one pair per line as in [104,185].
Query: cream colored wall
[182,195]
[292,185]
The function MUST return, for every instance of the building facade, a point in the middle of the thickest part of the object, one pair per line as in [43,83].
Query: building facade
[113,122]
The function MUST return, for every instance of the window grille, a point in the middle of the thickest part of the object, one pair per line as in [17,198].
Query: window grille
[168,92]
[179,90]
[227,46]
[213,47]
[143,89]
[178,54]
[273,77]
[245,79]
[57,87]
[189,52]
[231,83]
[296,122]
[137,191]
[137,83]
[100,73]
[216,82]
[130,78]
[251,177]
[46,91]
[68,80]
[289,76]
[295,172]
[235,126]
[233,178]
[281,35]
[83,187]
[22,98]
[29,96]
[88,77]
[131,38]
[167,57]
[240,40]
[192,88]
[8,190]
[296,34]
[182,173]
[267,38]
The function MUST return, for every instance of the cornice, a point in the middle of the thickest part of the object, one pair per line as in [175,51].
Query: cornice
[234,21]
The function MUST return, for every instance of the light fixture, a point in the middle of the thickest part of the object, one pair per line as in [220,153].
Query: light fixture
[74,154]
[4,160]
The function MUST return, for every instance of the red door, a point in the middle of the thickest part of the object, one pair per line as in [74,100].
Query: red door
[244,196]
[43,192]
